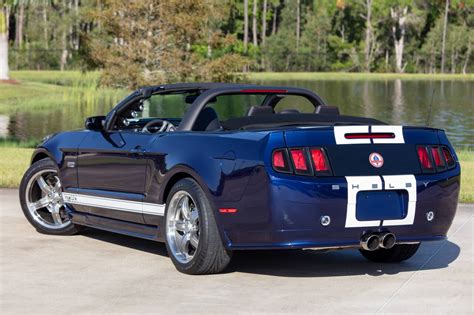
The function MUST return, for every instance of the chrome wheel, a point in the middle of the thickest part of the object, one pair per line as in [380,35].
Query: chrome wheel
[182,227]
[44,200]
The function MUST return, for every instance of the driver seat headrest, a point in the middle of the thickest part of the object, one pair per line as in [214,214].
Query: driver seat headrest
[207,120]
[326,110]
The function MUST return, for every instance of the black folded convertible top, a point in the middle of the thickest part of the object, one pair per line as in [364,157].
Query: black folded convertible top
[276,120]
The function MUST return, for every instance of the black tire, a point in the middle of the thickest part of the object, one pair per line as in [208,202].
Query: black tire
[397,253]
[211,256]
[34,169]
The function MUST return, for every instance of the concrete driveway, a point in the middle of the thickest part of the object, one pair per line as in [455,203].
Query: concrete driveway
[99,272]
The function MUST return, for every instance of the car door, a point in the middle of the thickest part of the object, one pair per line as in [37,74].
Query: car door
[112,173]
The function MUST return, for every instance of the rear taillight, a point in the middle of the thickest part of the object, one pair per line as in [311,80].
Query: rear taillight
[448,157]
[301,161]
[425,159]
[280,161]
[438,158]
[320,161]
[434,158]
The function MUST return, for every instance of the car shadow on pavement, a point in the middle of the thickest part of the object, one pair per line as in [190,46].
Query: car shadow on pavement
[305,263]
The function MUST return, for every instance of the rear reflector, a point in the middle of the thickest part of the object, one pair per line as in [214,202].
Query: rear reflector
[387,135]
[425,159]
[227,210]
[320,162]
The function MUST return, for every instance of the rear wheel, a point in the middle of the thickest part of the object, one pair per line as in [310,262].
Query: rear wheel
[397,253]
[192,238]
[42,202]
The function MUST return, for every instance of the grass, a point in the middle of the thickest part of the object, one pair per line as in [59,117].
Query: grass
[467,175]
[312,76]
[13,164]
[40,90]
[15,160]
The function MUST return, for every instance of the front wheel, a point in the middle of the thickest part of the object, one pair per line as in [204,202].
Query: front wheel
[397,253]
[42,202]
[192,238]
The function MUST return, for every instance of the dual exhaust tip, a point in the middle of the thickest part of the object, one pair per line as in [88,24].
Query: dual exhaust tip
[373,241]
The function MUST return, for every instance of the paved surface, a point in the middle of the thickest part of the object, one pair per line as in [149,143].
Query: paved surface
[100,272]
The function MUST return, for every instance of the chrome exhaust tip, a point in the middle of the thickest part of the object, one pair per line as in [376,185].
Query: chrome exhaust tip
[370,242]
[387,240]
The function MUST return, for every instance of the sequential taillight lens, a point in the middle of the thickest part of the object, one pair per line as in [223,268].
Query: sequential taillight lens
[435,158]
[320,161]
[448,157]
[299,160]
[425,158]
[280,161]
[438,158]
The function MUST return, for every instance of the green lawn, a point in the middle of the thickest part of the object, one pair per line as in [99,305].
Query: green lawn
[14,161]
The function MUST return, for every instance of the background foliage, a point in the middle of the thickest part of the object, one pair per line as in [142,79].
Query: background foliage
[145,41]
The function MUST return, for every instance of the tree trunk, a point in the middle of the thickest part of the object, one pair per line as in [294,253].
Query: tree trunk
[19,25]
[443,44]
[399,39]
[274,22]
[254,23]
[466,60]
[45,28]
[246,24]
[3,46]
[298,22]
[65,51]
[368,35]
[264,22]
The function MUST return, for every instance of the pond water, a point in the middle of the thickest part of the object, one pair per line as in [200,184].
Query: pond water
[392,101]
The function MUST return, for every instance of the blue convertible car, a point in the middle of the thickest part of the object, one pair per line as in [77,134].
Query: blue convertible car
[213,168]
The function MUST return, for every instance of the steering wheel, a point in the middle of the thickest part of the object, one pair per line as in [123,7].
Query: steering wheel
[165,126]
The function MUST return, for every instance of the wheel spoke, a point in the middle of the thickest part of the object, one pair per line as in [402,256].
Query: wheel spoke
[182,242]
[194,240]
[185,208]
[57,186]
[43,202]
[180,226]
[43,185]
[56,216]
[194,216]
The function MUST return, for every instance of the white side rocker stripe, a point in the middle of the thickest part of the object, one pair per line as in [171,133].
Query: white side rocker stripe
[114,204]
[341,131]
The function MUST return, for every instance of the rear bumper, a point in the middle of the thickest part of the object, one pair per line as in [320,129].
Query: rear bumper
[286,211]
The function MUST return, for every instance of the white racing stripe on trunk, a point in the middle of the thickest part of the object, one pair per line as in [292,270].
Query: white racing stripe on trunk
[396,130]
[114,204]
[341,131]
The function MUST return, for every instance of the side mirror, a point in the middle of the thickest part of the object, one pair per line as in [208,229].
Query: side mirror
[95,123]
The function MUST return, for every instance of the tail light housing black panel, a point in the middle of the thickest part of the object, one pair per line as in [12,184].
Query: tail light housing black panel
[435,158]
[301,161]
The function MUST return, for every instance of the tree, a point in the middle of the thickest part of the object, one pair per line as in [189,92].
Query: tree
[398,33]
[246,25]
[445,27]
[254,23]
[3,44]
[153,42]
[264,22]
